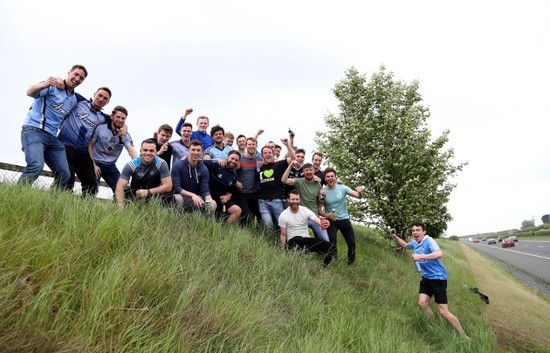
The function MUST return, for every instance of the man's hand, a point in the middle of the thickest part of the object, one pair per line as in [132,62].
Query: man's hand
[199,203]
[162,149]
[97,171]
[187,112]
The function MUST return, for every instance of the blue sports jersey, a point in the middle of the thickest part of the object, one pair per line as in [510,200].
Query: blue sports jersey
[214,152]
[50,108]
[77,129]
[107,145]
[431,269]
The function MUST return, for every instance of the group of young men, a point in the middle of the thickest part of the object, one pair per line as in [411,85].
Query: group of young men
[203,172]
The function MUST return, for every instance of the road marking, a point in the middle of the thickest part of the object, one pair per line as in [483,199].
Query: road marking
[524,253]
[541,246]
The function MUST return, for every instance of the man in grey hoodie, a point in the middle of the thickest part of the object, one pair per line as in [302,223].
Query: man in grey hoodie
[190,179]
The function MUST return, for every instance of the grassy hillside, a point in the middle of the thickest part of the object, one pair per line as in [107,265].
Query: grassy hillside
[83,276]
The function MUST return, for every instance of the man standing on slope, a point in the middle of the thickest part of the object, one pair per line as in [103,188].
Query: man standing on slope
[427,255]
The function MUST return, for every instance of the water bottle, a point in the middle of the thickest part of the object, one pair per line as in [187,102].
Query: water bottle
[418,266]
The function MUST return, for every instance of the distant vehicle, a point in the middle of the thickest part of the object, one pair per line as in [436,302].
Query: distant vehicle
[513,238]
[470,239]
[491,241]
[501,238]
[506,243]
[483,239]
[476,240]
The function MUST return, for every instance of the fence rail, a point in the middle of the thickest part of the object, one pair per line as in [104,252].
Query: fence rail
[9,173]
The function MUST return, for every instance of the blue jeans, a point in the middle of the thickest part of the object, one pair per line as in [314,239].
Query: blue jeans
[109,173]
[317,231]
[41,147]
[270,212]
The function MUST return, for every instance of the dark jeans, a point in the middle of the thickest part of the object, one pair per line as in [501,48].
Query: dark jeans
[312,244]
[109,173]
[249,206]
[345,227]
[81,164]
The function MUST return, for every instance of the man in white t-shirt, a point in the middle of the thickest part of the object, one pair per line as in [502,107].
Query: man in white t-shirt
[294,230]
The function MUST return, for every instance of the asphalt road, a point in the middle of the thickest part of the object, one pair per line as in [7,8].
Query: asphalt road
[530,256]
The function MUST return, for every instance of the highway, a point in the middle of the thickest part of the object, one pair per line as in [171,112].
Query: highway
[530,256]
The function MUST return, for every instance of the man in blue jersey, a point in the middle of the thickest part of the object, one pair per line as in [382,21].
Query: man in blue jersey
[219,149]
[75,133]
[427,255]
[200,134]
[149,175]
[53,101]
[180,148]
[106,146]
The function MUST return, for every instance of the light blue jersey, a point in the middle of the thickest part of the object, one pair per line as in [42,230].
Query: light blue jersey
[335,199]
[107,145]
[50,108]
[431,269]
[77,129]
[215,152]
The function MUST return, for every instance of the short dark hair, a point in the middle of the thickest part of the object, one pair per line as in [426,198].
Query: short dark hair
[234,152]
[167,128]
[149,140]
[106,89]
[300,150]
[294,192]
[241,135]
[81,67]
[277,146]
[419,224]
[318,154]
[120,108]
[307,165]
[330,170]
[215,129]
[187,125]
[195,143]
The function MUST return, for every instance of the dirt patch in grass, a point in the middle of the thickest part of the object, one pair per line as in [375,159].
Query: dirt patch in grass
[520,317]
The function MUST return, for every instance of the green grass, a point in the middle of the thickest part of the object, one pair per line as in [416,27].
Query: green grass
[82,276]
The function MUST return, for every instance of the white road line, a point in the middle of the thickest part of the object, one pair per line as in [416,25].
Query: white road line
[524,253]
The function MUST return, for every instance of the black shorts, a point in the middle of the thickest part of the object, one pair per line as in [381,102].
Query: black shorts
[434,287]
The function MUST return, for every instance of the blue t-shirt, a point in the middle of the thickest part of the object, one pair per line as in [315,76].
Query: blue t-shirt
[336,199]
[214,152]
[50,108]
[431,269]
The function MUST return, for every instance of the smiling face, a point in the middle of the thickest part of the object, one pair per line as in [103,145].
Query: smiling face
[241,143]
[218,137]
[308,173]
[195,153]
[330,179]
[316,161]
[202,123]
[101,99]
[300,158]
[74,78]
[148,152]
[186,132]
[267,154]
[294,201]
[119,119]
[232,161]
[251,147]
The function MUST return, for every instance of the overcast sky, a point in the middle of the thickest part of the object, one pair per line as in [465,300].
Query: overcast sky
[483,68]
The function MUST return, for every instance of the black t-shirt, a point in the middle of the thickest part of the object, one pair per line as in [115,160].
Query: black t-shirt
[271,186]
[167,155]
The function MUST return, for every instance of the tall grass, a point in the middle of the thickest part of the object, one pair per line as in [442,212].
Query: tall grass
[83,276]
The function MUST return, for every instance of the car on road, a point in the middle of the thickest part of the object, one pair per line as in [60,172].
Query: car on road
[476,240]
[513,238]
[491,241]
[501,238]
[506,243]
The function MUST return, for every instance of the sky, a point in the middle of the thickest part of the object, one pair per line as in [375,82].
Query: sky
[482,67]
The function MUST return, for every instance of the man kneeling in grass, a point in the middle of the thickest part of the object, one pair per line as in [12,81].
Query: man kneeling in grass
[427,255]
[294,230]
